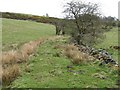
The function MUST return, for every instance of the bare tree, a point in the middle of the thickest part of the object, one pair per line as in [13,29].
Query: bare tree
[84,15]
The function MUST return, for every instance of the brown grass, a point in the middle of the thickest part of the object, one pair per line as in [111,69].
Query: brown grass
[22,56]
[9,57]
[9,74]
[71,47]
[28,48]
[0,58]
[0,74]
[77,57]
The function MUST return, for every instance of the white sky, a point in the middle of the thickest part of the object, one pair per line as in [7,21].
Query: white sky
[53,7]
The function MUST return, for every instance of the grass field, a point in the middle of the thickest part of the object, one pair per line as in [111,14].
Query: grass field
[19,31]
[48,68]
[110,40]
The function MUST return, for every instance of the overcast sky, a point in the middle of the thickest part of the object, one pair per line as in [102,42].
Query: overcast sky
[53,7]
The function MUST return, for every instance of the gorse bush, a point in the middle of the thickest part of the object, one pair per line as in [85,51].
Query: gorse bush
[35,18]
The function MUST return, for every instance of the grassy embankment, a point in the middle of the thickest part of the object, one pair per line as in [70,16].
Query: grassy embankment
[48,69]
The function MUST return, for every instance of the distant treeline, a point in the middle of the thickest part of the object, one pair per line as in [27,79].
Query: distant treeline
[42,19]
[84,29]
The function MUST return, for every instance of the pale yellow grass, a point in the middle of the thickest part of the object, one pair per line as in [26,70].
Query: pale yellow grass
[9,57]
[76,56]
[9,74]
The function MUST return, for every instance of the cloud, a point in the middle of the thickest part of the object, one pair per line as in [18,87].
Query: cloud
[52,7]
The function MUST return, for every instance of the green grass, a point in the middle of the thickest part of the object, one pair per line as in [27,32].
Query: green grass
[47,70]
[19,32]
[110,40]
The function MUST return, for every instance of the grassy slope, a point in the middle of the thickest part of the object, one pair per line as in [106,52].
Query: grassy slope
[47,70]
[19,31]
[111,40]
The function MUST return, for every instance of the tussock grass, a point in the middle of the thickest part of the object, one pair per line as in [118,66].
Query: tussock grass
[10,73]
[1,74]
[28,49]
[9,57]
[76,56]
[12,57]
[21,55]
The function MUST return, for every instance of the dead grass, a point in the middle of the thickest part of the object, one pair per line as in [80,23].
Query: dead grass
[9,57]
[10,73]
[22,56]
[76,56]
[0,58]
[28,49]
[0,74]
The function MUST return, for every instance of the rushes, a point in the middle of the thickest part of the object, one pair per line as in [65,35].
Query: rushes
[76,56]
[9,74]
[11,59]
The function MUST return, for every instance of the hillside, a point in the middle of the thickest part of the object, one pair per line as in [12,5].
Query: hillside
[48,66]
[49,69]
[17,32]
